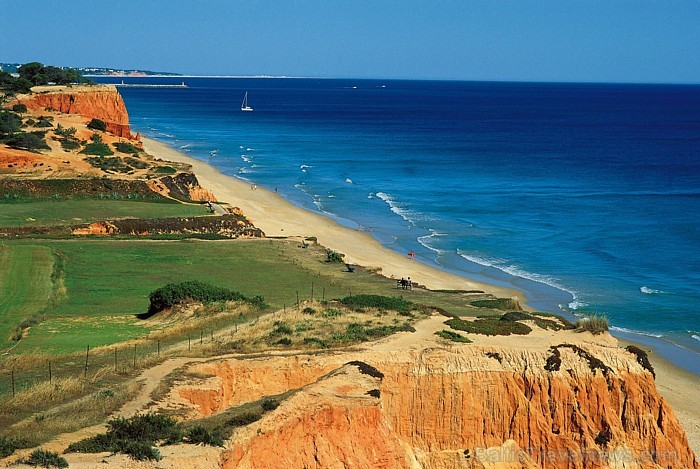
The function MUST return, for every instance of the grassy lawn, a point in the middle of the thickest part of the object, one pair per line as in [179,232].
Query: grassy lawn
[107,283]
[25,285]
[69,212]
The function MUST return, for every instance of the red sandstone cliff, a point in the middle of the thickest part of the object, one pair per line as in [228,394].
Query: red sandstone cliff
[98,101]
[454,407]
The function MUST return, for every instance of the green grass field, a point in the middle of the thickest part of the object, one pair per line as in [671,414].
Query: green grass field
[107,282]
[69,212]
[25,285]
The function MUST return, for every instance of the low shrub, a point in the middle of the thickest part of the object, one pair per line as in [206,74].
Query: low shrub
[97,124]
[594,324]
[174,293]
[377,301]
[45,458]
[97,148]
[28,141]
[269,404]
[8,445]
[20,108]
[125,147]
[70,145]
[281,328]
[135,162]
[308,310]
[134,436]
[200,435]
[108,164]
[244,419]
[286,341]
[138,450]
[453,336]
[333,256]
[497,303]
[166,170]
[315,341]
[489,326]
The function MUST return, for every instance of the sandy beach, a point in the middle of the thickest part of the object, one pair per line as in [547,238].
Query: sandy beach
[279,217]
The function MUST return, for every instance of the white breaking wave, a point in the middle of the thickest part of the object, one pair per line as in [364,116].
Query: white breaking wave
[632,331]
[394,207]
[425,241]
[502,265]
[348,180]
[696,337]
[246,158]
[649,291]
[304,167]
[249,149]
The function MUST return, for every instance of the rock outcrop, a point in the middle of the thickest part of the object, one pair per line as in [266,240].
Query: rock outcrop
[98,101]
[454,407]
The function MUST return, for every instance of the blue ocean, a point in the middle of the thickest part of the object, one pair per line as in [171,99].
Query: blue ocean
[584,196]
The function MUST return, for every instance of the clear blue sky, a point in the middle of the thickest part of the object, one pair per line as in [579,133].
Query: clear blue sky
[528,40]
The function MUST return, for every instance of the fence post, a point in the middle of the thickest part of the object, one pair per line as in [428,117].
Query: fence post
[115,359]
[189,343]
[201,336]
[212,334]
[159,347]
[134,355]
[87,354]
[49,371]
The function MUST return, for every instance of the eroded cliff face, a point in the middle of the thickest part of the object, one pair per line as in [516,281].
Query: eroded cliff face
[447,407]
[98,101]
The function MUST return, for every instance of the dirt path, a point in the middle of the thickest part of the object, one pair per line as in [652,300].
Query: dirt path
[150,379]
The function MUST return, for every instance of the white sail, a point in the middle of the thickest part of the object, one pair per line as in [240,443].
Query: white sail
[244,104]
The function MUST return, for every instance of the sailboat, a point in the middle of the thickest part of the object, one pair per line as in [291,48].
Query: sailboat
[244,104]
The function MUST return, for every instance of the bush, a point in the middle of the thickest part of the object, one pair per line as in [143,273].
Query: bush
[97,124]
[489,326]
[97,148]
[174,293]
[44,458]
[125,147]
[594,324]
[281,328]
[8,445]
[27,141]
[377,301]
[244,419]
[286,341]
[20,108]
[497,303]
[315,341]
[200,435]
[308,310]
[108,164]
[138,450]
[166,170]
[269,404]
[69,144]
[332,256]
[134,436]
[453,336]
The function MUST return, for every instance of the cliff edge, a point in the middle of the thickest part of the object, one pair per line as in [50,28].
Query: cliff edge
[95,101]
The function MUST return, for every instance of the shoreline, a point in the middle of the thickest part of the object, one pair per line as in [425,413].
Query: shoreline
[278,217]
